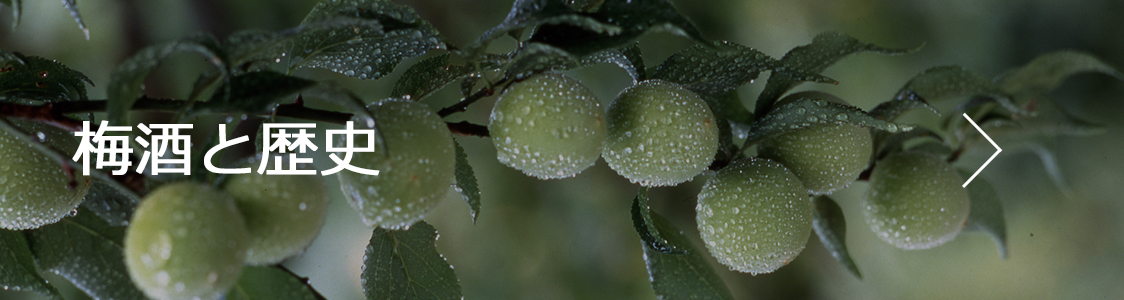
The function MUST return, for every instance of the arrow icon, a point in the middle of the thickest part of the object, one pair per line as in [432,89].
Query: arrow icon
[997,150]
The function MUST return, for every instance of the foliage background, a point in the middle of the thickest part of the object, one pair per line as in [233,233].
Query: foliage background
[573,239]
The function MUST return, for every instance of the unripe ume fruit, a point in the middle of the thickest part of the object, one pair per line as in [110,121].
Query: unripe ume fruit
[34,189]
[660,134]
[186,241]
[548,126]
[825,157]
[754,215]
[915,201]
[415,170]
[283,213]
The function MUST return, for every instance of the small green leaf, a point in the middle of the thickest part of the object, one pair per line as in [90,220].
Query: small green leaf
[72,7]
[831,227]
[113,207]
[612,24]
[255,92]
[404,264]
[35,78]
[364,39]
[685,275]
[986,213]
[269,283]
[715,69]
[642,221]
[17,266]
[891,110]
[466,182]
[88,252]
[16,10]
[1047,71]
[1050,164]
[825,50]
[536,58]
[805,109]
[948,82]
[126,84]
[627,57]
[347,100]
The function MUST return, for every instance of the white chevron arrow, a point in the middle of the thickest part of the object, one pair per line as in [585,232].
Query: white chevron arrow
[997,150]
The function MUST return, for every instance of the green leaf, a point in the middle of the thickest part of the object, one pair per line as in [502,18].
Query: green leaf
[831,227]
[612,24]
[17,266]
[686,275]
[886,143]
[1047,71]
[364,39]
[466,182]
[35,78]
[255,92]
[113,207]
[986,213]
[89,253]
[536,58]
[431,74]
[530,13]
[948,82]
[269,283]
[72,7]
[16,10]
[717,68]
[350,102]
[806,109]
[642,221]
[627,57]
[891,110]
[825,50]
[404,264]
[126,84]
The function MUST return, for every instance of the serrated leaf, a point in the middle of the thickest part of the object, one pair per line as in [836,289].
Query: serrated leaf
[642,221]
[17,266]
[255,92]
[364,39]
[806,109]
[126,84]
[1047,71]
[35,78]
[616,22]
[826,49]
[404,264]
[16,6]
[891,110]
[88,252]
[113,207]
[686,275]
[627,57]
[72,7]
[948,82]
[269,283]
[466,182]
[986,213]
[831,227]
[714,69]
[536,58]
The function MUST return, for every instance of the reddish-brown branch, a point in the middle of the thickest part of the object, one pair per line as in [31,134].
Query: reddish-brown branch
[464,128]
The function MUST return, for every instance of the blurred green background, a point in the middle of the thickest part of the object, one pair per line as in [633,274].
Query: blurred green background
[573,239]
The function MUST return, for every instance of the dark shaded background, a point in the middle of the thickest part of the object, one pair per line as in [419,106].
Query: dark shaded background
[572,239]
